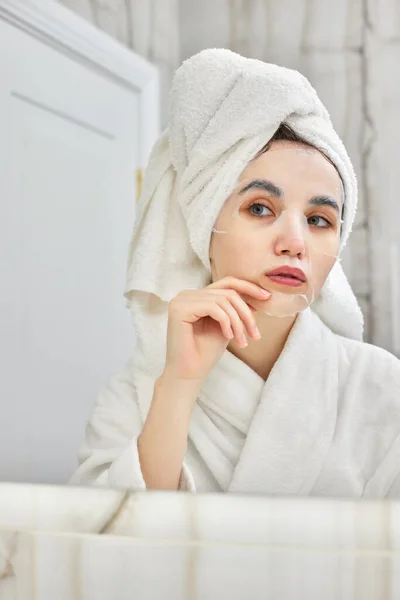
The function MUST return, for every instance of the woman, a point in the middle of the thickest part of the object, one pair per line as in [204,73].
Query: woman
[249,373]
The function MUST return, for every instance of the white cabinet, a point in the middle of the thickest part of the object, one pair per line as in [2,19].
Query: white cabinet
[78,116]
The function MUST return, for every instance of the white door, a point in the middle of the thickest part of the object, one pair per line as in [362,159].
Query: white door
[77,118]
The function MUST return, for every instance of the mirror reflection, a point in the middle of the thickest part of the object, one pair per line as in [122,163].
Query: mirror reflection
[196,292]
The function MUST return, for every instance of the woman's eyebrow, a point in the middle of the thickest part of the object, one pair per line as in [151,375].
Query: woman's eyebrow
[325,201]
[271,188]
[263,184]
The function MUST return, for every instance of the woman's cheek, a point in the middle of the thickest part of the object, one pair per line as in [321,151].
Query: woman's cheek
[228,250]
[320,271]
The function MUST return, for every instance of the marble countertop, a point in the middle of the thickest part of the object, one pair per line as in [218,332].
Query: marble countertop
[84,543]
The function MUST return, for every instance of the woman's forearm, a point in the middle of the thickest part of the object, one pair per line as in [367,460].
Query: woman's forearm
[162,442]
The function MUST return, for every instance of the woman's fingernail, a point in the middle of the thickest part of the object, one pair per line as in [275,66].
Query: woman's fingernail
[243,340]
[257,333]
[265,293]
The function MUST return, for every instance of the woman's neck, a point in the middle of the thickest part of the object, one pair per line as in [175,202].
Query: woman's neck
[261,355]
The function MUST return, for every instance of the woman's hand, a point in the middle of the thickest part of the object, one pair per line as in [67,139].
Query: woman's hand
[202,322]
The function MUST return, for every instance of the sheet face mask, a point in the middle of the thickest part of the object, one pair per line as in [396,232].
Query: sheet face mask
[251,223]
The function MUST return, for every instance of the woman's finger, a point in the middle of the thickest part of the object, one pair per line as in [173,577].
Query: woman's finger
[244,311]
[208,307]
[242,286]
[237,324]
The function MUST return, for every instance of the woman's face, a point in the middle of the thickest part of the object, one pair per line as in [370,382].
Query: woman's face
[286,210]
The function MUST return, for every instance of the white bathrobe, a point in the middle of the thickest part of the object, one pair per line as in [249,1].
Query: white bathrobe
[327,420]
[325,423]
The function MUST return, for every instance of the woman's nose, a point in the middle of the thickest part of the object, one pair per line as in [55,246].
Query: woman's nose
[291,229]
[292,246]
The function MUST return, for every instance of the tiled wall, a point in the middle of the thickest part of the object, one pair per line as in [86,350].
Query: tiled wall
[149,27]
[96,543]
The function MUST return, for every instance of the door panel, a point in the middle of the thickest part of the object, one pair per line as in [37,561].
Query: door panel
[69,152]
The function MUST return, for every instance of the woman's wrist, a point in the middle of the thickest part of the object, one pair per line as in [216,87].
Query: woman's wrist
[163,440]
[187,389]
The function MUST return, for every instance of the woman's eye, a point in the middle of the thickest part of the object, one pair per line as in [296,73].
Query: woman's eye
[317,219]
[261,210]
[257,210]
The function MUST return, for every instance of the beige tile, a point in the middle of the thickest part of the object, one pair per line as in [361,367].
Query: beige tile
[141,26]
[82,7]
[112,17]
[84,567]
[162,515]
[54,508]
[57,566]
[277,522]
[365,306]
[334,30]
[24,567]
[238,572]
[386,18]
[124,568]
[356,261]
[204,24]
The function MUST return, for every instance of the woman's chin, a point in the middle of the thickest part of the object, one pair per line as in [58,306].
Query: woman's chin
[282,306]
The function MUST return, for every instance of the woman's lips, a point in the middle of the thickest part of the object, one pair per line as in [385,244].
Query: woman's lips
[287,276]
[286,280]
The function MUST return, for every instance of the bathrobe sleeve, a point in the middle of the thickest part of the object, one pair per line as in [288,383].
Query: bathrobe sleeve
[379,385]
[391,464]
[109,454]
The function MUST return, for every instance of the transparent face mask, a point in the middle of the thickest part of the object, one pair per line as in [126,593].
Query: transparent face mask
[284,249]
